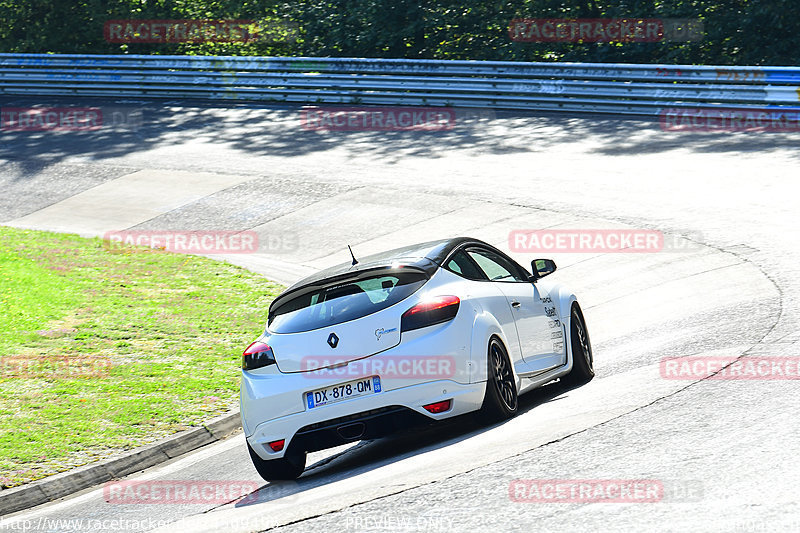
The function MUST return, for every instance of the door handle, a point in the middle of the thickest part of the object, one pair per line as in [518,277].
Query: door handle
[515,304]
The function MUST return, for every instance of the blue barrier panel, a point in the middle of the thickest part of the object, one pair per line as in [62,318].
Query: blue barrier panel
[581,87]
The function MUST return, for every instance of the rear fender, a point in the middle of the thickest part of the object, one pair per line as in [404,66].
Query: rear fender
[484,328]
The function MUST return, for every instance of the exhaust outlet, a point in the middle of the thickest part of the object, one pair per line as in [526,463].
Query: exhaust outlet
[351,431]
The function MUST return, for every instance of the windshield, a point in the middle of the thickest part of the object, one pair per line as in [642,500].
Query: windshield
[344,301]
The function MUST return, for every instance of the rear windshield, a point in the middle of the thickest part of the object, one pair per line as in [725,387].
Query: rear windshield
[344,301]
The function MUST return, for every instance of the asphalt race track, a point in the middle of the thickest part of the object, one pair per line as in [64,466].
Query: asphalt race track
[724,451]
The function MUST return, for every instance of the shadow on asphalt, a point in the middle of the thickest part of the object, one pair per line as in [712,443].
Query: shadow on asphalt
[370,455]
[276,129]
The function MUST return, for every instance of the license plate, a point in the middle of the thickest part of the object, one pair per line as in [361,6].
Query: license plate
[343,391]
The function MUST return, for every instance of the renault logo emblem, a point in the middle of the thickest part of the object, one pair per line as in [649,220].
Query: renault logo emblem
[333,340]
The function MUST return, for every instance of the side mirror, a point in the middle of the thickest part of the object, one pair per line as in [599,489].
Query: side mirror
[542,268]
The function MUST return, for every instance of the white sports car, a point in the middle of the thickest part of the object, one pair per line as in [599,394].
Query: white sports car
[420,333]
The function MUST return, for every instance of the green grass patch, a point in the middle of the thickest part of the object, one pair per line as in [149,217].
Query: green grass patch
[102,352]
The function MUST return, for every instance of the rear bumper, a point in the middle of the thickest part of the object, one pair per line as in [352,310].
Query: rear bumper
[366,425]
[363,418]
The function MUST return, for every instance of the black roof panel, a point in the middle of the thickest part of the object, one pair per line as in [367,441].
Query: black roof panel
[427,256]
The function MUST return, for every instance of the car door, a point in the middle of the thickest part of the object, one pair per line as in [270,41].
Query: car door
[492,300]
[530,315]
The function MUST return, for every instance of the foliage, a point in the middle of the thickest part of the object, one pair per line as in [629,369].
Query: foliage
[751,32]
[744,32]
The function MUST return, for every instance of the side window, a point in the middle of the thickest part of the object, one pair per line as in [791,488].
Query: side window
[464,267]
[495,267]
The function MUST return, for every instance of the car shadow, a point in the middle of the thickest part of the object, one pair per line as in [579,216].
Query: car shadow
[370,455]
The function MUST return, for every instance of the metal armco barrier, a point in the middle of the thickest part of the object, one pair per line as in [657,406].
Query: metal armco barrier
[582,87]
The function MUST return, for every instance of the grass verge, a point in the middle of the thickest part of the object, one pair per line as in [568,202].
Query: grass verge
[102,351]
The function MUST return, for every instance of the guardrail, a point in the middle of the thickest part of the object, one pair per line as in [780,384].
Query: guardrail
[581,87]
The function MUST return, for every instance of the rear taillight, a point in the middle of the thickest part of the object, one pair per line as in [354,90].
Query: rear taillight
[438,407]
[257,355]
[429,312]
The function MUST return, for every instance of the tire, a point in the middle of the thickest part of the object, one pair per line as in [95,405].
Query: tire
[582,357]
[500,401]
[290,466]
